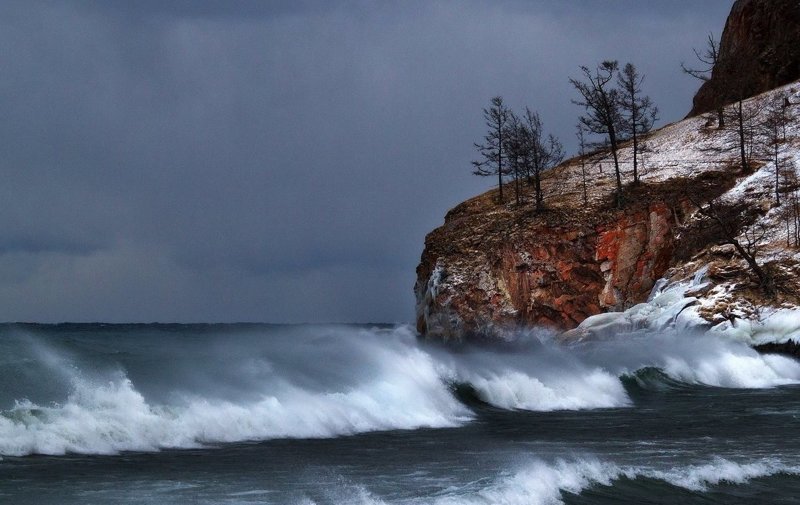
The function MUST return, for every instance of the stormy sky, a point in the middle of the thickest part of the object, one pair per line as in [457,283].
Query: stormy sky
[276,161]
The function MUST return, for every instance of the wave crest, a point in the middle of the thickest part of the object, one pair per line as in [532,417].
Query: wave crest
[517,390]
[729,369]
[540,483]
[111,417]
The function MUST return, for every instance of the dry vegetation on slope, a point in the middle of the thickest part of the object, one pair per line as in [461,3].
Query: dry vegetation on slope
[493,266]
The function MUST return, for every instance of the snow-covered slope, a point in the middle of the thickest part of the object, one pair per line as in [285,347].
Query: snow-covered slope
[493,267]
[688,300]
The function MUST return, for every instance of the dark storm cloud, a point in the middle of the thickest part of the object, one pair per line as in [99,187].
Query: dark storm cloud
[211,8]
[274,161]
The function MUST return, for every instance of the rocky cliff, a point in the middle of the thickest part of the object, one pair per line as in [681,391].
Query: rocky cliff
[492,268]
[507,267]
[761,46]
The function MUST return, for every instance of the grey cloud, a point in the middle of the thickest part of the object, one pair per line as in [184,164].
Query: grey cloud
[275,161]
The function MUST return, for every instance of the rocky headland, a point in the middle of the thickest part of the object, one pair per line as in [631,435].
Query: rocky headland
[762,36]
[493,268]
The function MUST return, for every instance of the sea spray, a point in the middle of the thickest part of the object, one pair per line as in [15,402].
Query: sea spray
[543,483]
[400,389]
[692,358]
[699,477]
[517,390]
[147,394]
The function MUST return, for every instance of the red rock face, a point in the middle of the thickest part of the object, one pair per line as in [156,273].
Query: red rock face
[634,253]
[761,40]
[553,279]
[537,274]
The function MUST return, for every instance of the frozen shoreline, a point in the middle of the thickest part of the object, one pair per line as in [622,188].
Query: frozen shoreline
[672,307]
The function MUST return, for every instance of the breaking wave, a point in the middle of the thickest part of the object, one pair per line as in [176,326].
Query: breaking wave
[543,483]
[539,483]
[727,370]
[327,382]
[719,471]
[106,418]
[732,370]
[653,379]
[515,390]
[672,360]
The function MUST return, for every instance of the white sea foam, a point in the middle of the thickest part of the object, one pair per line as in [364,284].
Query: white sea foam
[350,494]
[589,389]
[720,470]
[772,326]
[375,382]
[540,483]
[385,385]
[733,367]
[110,417]
[708,359]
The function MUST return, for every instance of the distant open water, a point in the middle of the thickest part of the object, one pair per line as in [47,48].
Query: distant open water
[256,414]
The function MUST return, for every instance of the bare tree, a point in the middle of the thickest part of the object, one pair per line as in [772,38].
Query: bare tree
[516,138]
[791,211]
[601,104]
[493,150]
[742,130]
[582,153]
[543,153]
[639,113]
[773,130]
[709,57]
[530,153]
[710,60]
[645,148]
[748,248]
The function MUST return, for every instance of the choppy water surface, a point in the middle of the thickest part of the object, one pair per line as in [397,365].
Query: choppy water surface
[251,414]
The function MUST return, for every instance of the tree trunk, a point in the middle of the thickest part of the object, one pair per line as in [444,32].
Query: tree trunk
[538,189]
[766,283]
[765,280]
[583,174]
[613,141]
[742,151]
[777,175]
[500,177]
[635,157]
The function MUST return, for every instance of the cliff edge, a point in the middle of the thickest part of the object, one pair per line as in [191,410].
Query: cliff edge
[761,35]
[492,268]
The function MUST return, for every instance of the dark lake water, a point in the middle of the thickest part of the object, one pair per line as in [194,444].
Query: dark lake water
[256,414]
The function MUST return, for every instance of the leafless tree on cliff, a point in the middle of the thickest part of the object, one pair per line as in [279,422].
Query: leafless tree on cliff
[638,112]
[493,150]
[579,133]
[773,133]
[731,85]
[742,133]
[515,139]
[748,249]
[710,59]
[791,211]
[542,153]
[601,104]
[740,118]
[645,149]
[743,130]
